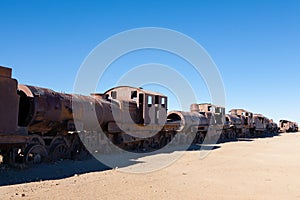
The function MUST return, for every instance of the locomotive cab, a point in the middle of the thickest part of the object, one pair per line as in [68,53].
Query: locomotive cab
[246,116]
[215,114]
[145,107]
[261,123]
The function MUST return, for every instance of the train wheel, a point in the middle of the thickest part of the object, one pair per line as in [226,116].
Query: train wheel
[36,139]
[78,151]
[230,133]
[201,138]
[247,133]
[35,154]
[59,151]
[221,138]
[235,135]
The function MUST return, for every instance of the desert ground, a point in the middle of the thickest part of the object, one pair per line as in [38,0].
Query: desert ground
[263,168]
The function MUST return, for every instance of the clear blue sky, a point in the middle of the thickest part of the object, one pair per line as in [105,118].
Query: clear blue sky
[255,44]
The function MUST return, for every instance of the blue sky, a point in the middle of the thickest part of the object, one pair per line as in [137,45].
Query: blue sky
[255,44]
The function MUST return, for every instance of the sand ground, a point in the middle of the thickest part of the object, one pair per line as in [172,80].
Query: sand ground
[264,168]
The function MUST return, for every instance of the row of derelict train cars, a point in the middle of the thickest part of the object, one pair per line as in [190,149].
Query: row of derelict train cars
[38,124]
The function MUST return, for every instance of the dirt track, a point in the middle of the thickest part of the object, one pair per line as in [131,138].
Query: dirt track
[266,168]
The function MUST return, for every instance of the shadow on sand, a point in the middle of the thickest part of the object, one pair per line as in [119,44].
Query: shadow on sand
[50,171]
[68,168]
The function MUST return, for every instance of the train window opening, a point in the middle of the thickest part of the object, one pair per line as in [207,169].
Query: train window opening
[141,100]
[114,94]
[212,109]
[156,99]
[149,101]
[141,108]
[163,102]
[24,109]
[209,108]
[220,110]
[133,95]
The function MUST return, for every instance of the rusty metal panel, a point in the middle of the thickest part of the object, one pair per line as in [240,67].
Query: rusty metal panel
[261,122]
[234,119]
[126,92]
[151,107]
[9,102]
[184,121]
[214,113]
[13,139]
[246,116]
[288,126]
[43,110]
[296,127]
[5,72]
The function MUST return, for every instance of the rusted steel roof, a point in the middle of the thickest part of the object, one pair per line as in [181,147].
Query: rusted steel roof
[135,88]
[240,109]
[210,104]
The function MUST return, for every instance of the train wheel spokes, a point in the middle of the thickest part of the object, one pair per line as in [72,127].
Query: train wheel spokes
[78,150]
[59,151]
[35,154]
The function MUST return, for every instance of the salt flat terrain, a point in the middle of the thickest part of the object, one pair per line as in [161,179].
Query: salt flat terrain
[264,168]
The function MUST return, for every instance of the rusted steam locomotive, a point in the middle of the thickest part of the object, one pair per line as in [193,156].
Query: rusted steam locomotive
[38,123]
[287,126]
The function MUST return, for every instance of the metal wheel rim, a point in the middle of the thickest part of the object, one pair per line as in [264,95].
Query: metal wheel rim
[59,151]
[35,154]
